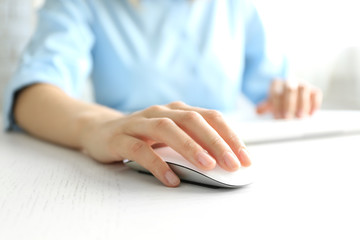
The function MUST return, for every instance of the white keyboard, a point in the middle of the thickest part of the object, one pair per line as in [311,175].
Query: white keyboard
[324,123]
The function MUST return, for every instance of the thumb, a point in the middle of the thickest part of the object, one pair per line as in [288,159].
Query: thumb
[263,107]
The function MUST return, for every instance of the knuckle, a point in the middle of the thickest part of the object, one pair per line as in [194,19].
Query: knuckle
[177,104]
[189,145]
[153,163]
[154,108]
[214,141]
[303,86]
[214,115]
[136,147]
[162,123]
[191,116]
[233,138]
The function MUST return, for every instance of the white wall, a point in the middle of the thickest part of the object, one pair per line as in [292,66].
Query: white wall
[322,40]
[16,18]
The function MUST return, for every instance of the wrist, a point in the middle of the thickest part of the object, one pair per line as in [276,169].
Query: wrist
[91,124]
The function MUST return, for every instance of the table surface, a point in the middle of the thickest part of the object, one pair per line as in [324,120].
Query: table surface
[303,190]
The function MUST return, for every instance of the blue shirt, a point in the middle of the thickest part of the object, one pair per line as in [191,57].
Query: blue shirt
[204,53]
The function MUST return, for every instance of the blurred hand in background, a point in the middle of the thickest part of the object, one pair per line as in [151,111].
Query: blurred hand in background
[291,100]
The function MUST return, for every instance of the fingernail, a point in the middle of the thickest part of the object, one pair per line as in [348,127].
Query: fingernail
[245,157]
[205,160]
[231,160]
[172,179]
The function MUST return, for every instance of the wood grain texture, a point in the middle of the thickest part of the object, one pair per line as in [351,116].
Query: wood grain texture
[303,190]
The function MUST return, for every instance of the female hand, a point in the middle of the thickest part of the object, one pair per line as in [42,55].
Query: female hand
[288,100]
[201,136]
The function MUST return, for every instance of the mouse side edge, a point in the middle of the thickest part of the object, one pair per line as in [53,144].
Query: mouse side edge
[187,174]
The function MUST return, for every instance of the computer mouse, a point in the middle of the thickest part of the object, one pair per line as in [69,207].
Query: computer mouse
[188,172]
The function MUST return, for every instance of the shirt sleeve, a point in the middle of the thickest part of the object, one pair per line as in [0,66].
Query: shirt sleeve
[59,53]
[262,64]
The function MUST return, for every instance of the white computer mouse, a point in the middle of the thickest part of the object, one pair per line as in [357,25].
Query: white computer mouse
[188,172]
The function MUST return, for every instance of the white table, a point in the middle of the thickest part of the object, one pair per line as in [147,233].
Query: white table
[303,190]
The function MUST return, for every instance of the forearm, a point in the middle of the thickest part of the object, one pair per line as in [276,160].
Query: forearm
[45,111]
[201,136]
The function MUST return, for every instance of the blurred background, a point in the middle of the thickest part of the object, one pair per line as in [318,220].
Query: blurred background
[320,38]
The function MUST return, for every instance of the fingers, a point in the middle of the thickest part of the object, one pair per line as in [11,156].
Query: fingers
[201,136]
[165,130]
[217,138]
[303,101]
[263,107]
[287,100]
[217,122]
[316,99]
[198,129]
[134,149]
[276,98]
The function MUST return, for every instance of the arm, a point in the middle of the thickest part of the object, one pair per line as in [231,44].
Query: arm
[264,80]
[59,53]
[200,135]
[47,112]
[45,105]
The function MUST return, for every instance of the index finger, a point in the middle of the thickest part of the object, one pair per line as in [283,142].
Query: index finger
[216,120]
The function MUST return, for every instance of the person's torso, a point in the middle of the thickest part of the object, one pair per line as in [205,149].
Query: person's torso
[163,51]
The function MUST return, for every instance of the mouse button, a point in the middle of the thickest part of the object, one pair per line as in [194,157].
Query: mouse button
[242,176]
[171,156]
